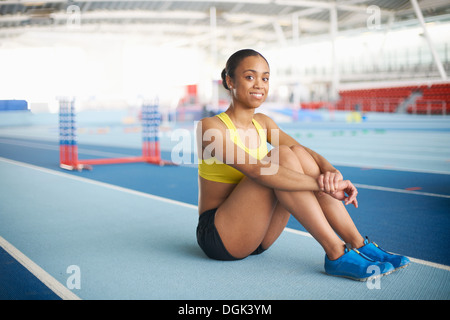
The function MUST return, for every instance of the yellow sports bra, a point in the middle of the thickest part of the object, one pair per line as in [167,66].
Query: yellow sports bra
[215,170]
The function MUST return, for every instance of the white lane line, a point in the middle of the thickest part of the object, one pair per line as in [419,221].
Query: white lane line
[30,144]
[98,183]
[81,151]
[190,206]
[365,186]
[394,168]
[53,284]
[109,154]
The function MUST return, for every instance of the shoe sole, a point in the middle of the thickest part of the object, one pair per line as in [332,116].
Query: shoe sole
[364,279]
[402,267]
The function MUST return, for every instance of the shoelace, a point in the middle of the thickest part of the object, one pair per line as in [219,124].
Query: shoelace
[349,247]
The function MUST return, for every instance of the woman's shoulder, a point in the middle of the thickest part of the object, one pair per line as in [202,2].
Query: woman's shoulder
[210,123]
[265,121]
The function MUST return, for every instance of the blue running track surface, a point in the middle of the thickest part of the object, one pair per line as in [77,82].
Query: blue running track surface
[130,229]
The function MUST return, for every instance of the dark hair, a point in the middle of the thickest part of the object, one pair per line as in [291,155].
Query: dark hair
[233,62]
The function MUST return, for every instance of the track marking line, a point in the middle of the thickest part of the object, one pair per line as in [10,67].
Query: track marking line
[418,193]
[51,146]
[381,167]
[98,183]
[190,206]
[413,188]
[419,261]
[53,284]
[81,151]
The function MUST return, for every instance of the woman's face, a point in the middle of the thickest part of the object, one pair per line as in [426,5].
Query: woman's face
[251,82]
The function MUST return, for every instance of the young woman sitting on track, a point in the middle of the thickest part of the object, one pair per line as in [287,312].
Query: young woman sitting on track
[247,193]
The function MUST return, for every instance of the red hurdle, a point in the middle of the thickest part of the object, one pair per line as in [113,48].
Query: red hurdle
[68,147]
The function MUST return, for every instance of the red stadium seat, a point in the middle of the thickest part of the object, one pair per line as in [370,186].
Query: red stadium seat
[435,99]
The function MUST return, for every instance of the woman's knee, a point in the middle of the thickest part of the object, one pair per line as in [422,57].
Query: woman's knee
[301,153]
[308,163]
[287,158]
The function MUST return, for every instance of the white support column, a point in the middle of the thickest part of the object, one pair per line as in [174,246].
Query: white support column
[436,59]
[379,55]
[279,33]
[334,64]
[213,29]
[295,30]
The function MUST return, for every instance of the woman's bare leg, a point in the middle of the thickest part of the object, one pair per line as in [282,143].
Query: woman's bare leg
[244,219]
[280,218]
[334,210]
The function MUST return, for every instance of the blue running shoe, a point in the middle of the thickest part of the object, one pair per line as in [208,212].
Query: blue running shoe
[373,251]
[356,266]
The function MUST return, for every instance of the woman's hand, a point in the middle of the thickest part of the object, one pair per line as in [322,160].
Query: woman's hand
[333,183]
[345,187]
[328,182]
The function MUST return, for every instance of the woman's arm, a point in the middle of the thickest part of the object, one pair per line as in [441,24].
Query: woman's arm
[214,141]
[330,177]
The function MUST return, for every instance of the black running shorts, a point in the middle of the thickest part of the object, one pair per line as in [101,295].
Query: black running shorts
[208,238]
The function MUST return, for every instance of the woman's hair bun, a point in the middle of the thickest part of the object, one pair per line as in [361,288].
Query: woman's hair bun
[224,79]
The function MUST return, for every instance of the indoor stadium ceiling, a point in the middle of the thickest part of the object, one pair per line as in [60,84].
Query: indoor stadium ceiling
[218,23]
